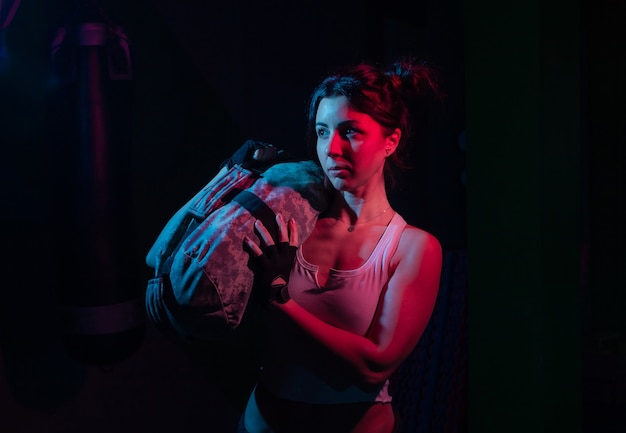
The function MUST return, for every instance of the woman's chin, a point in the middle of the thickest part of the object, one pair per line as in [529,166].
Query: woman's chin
[338,183]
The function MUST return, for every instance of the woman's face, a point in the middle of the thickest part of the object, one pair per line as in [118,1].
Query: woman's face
[351,146]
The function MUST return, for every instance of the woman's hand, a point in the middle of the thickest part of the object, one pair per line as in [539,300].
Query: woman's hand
[251,154]
[272,262]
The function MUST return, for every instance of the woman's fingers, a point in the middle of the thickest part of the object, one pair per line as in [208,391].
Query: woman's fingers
[287,233]
[266,153]
[283,233]
[293,233]
[252,248]
[264,235]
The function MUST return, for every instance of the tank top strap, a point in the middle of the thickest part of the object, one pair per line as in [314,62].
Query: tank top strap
[388,243]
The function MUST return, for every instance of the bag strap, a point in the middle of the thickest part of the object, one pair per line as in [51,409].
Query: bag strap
[257,208]
[191,215]
[246,199]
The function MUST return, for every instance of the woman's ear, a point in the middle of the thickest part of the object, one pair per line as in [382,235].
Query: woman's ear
[393,140]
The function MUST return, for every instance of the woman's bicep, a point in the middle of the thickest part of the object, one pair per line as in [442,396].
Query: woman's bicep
[408,301]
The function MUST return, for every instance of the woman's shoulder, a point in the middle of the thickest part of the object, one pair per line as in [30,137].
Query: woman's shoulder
[416,242]
[416,264]
[418,261]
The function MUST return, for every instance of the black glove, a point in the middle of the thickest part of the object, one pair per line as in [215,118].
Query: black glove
[244,156]
[271,271]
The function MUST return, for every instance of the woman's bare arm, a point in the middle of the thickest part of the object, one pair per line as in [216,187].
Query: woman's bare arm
[400,321]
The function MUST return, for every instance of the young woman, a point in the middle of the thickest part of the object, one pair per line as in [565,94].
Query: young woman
[349,305]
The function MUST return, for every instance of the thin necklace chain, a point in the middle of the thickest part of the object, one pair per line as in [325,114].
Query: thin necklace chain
[351,226]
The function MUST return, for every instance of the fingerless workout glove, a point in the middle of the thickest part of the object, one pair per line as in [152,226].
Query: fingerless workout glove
[272,269]
[244,156]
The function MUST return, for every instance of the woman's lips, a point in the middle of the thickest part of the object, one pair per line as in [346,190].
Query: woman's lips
[338,171]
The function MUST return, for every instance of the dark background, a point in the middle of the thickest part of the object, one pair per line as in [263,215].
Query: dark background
[539,90]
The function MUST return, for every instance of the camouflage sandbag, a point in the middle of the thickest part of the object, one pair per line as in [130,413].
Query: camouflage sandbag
[202,283]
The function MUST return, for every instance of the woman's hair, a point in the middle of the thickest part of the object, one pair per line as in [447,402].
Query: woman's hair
[390,95]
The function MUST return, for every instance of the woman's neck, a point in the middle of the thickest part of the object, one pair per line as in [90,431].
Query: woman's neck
[353,209]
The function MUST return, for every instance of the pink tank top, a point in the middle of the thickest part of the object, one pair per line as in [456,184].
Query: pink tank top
[348,301]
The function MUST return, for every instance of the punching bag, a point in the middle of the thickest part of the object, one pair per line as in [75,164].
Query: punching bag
[95,261]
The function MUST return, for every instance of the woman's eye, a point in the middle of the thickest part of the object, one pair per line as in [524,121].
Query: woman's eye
[322,133]
[350,132]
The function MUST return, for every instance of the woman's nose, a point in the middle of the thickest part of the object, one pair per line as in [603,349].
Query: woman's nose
[334,144]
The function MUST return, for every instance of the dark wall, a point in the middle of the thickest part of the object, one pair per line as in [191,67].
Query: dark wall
[545,215]
[603,256]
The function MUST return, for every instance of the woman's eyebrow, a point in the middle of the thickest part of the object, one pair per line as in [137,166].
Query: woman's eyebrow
[347,122]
